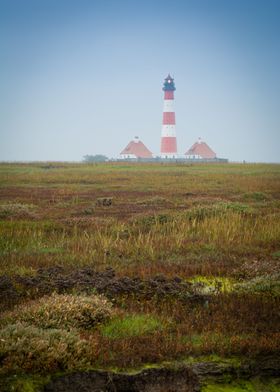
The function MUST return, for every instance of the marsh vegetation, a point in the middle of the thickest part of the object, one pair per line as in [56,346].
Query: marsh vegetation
[181,263]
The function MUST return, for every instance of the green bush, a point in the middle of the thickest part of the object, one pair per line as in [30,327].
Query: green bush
[28,348]
[89,210]
[200,213]
[129,326]
[237,207]
[146,222]
[64,311]
[256,196]
[267,284]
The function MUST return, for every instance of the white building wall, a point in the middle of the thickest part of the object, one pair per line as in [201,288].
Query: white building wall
[128,156]
[193,156]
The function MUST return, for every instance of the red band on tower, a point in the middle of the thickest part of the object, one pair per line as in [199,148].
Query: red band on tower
[168,95]
[169,145]
[168,118]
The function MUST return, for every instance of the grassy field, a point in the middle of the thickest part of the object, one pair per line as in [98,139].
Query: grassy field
[174,261]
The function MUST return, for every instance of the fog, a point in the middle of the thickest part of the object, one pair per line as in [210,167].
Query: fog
[85,77]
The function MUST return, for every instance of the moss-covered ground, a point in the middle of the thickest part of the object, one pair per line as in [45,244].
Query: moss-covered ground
[253,385]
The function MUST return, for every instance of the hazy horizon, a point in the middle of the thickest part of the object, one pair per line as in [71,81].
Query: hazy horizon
[85,77]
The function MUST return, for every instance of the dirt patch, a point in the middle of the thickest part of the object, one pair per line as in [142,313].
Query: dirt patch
[87,280]
[106,282]
[8,293]
[264,366]
[183,378]
[258,267]
[56,203]
[150,380]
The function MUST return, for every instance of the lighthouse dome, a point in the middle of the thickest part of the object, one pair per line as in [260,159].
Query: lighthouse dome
[168,84]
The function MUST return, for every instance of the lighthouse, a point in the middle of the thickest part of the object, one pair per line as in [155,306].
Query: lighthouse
[168,149]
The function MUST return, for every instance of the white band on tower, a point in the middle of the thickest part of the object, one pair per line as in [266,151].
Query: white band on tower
[168,131]
[168,105]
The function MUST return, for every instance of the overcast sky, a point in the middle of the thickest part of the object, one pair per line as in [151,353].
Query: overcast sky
[84,77]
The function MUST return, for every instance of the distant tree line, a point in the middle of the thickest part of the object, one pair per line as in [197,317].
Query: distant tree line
[95,158]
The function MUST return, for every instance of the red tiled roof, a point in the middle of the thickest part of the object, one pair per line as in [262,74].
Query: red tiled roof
[201,149]
[138,149]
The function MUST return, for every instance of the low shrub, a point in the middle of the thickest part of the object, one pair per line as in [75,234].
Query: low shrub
[104,201]
[237,207]
[64,311]
[267,284]
[256,196]
[89,210]
[28,348]
[17,210]
[148,221]
[201,213]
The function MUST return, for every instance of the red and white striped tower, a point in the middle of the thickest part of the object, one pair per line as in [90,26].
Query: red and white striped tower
[168,147]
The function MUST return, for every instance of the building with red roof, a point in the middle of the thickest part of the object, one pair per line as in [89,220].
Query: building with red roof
[200,150]
[136,149]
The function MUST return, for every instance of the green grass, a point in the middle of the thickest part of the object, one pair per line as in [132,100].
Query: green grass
[256,196]
[23,383]
[254,385]
[131,326]
[151,238]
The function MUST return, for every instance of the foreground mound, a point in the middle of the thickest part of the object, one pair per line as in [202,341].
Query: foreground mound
[64,311]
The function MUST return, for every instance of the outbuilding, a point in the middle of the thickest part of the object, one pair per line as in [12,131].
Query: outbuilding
[200,150]
[135,150]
